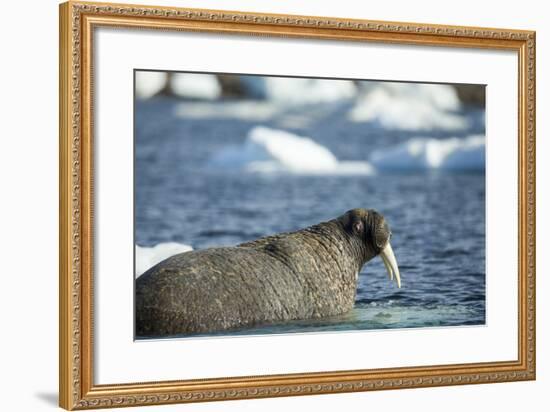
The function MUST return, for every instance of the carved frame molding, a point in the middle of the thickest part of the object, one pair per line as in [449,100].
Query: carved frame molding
[77,22]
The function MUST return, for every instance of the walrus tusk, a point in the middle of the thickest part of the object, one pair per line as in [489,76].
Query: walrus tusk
[388,268]
[391,264]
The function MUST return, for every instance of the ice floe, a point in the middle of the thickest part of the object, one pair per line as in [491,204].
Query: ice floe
[429,154]
[296,91]
[410,106]
[149,83]
[195,86]
[147,257]
[268,150]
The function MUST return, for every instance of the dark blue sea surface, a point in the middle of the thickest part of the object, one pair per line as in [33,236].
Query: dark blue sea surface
[437,217]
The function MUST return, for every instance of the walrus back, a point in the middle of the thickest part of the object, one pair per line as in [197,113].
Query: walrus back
[305,274]
[217,289]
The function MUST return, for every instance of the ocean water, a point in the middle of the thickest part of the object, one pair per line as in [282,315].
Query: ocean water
[437,215]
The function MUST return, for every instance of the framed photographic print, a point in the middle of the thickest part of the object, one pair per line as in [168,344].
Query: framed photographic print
[258,205]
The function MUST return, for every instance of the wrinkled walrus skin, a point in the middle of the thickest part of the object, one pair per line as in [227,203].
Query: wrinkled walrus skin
[310,273]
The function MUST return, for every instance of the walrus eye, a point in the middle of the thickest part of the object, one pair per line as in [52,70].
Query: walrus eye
[358,227]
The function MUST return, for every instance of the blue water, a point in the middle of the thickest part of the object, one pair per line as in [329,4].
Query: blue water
[437,218]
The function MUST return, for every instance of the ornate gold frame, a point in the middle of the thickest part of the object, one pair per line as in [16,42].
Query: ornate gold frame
[77,23]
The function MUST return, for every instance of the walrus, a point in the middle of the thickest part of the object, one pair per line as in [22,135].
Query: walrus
[310,273]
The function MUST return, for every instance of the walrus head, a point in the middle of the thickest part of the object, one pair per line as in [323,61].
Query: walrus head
[371,229]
